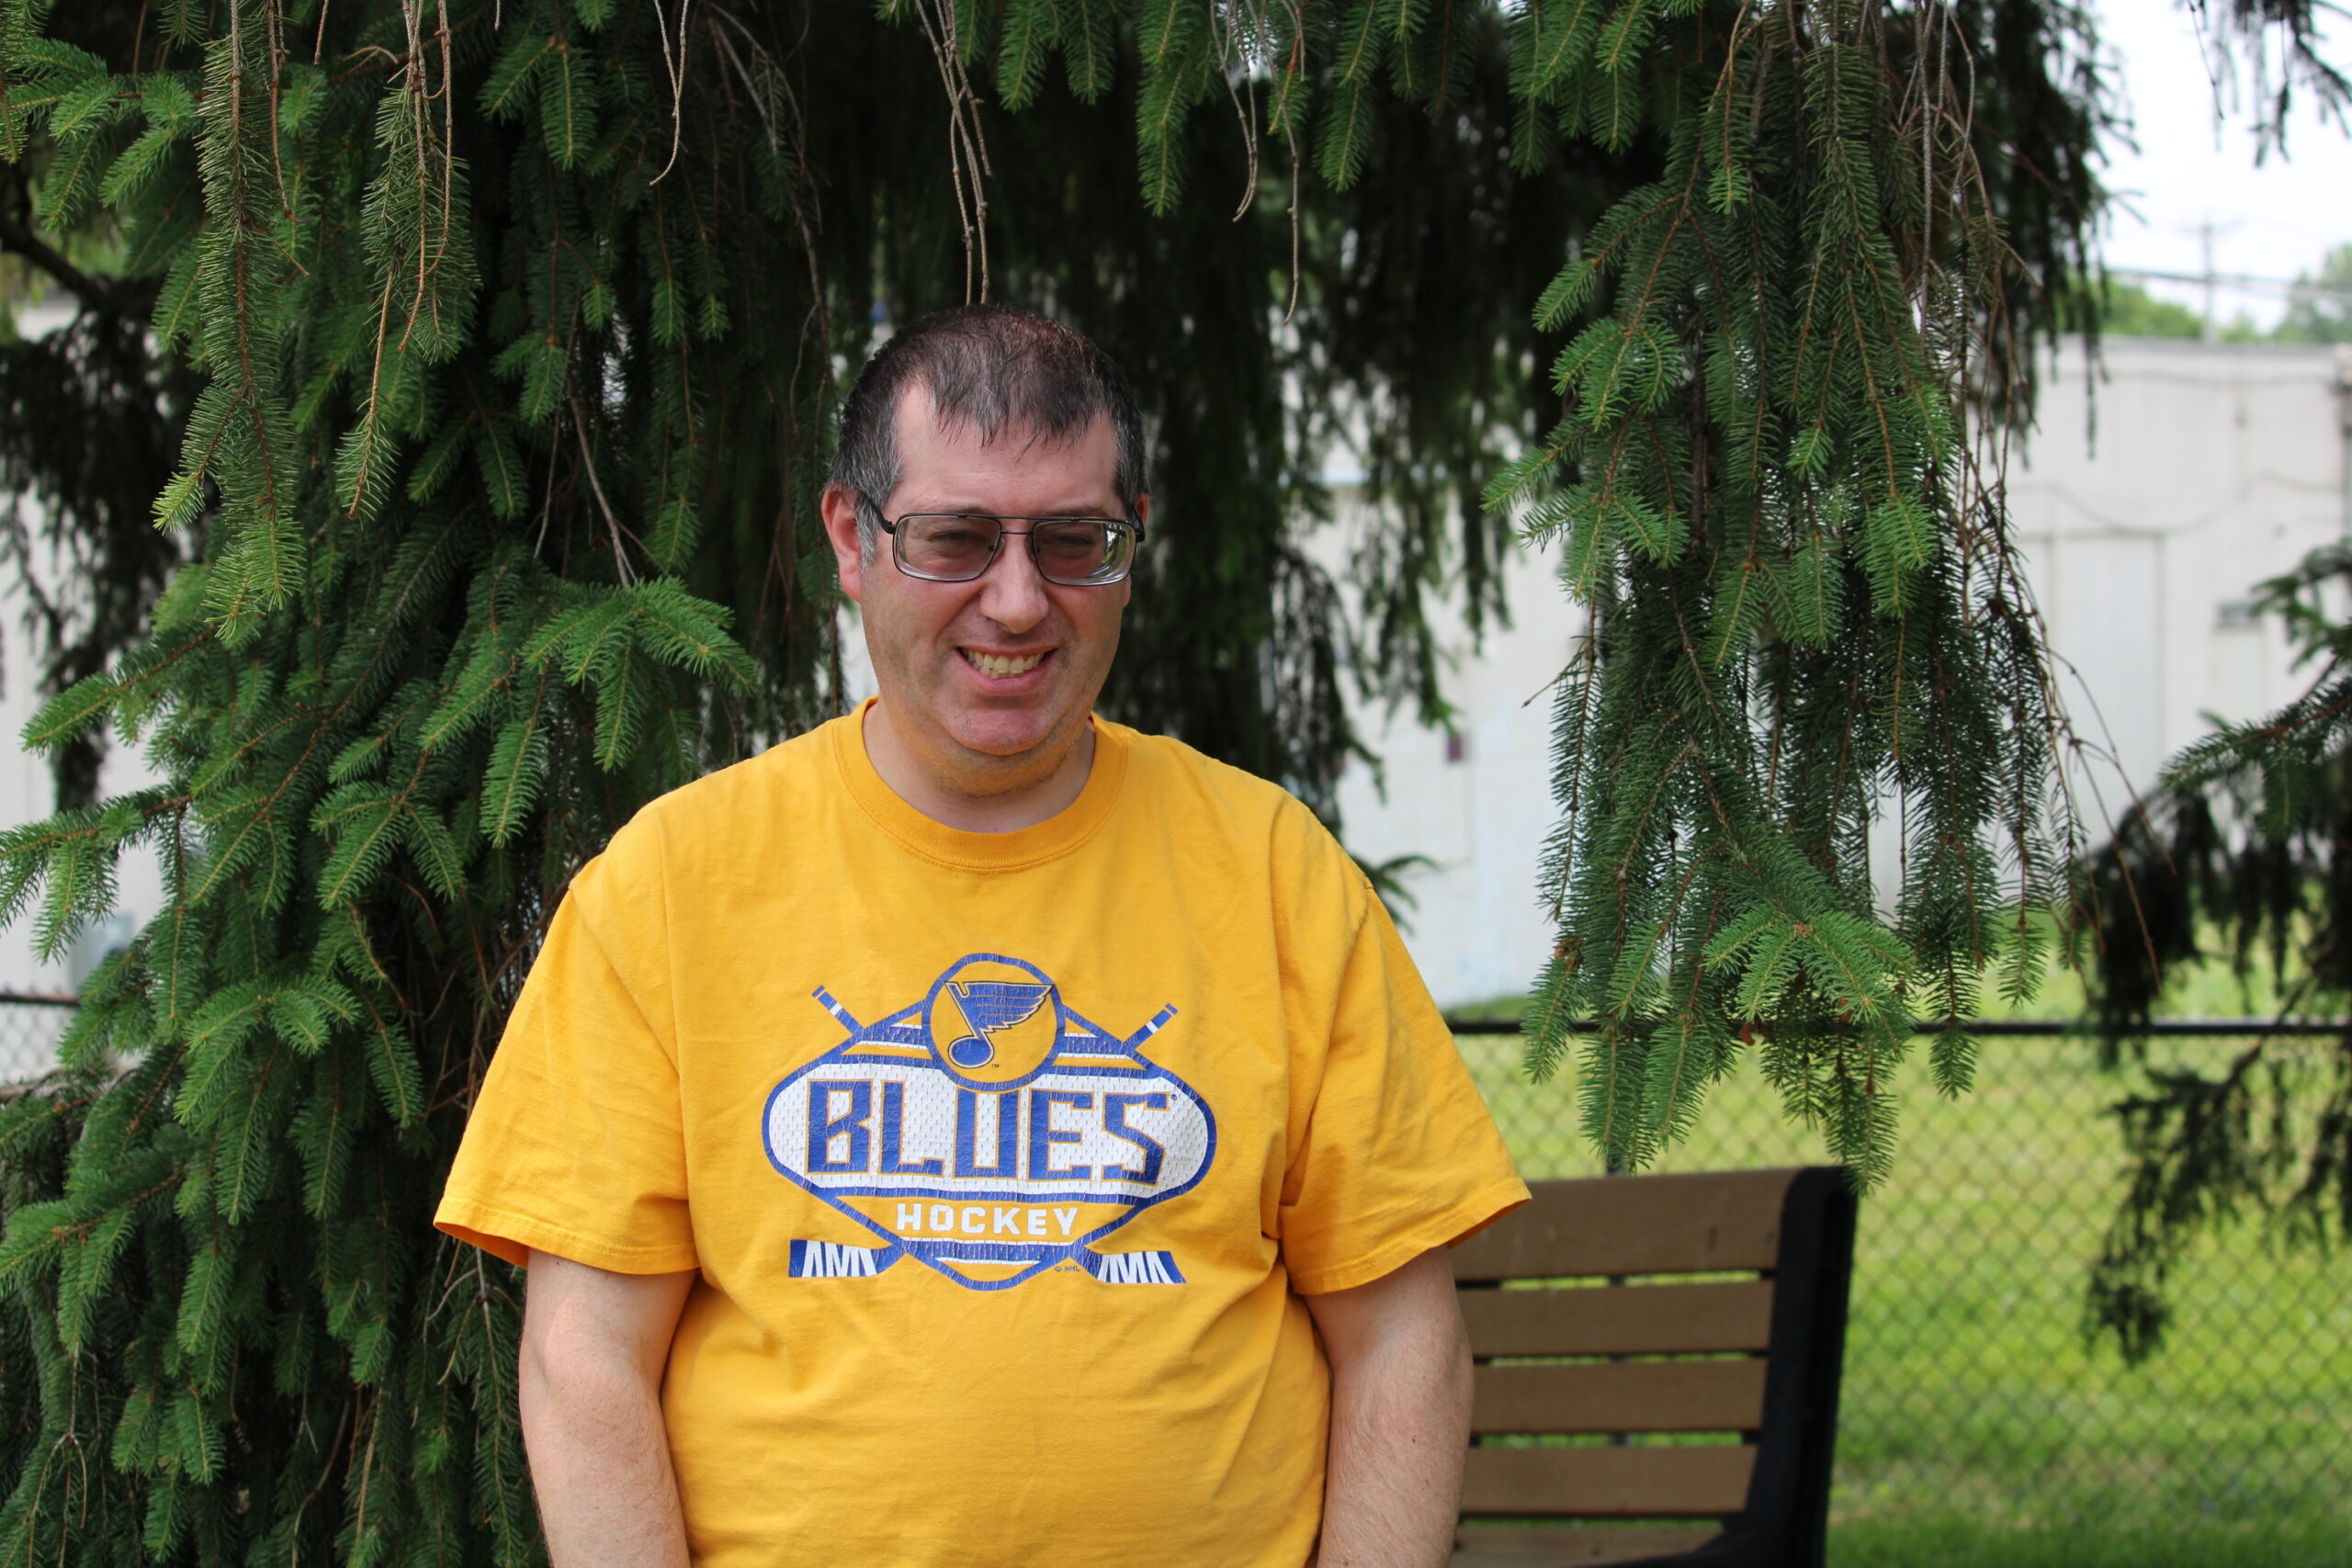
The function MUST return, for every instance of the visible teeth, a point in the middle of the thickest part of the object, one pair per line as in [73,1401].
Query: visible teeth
[999,667]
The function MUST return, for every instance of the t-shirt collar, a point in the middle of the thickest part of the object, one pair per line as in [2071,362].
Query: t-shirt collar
[1040,841]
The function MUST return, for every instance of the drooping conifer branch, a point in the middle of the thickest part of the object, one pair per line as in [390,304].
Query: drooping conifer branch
[1804,617]
[2241,853]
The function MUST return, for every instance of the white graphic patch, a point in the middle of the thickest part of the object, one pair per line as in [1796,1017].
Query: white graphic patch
[988,1132]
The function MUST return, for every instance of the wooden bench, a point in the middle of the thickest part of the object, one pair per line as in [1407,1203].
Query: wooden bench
[1748,1356]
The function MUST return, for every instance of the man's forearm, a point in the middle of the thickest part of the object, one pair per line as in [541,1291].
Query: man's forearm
[600,1463]
[590,1379]
[1400,1424]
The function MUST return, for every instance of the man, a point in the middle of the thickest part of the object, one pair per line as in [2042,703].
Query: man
[974,1132]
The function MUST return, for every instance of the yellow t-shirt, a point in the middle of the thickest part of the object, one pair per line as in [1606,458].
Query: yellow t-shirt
[1002,1157]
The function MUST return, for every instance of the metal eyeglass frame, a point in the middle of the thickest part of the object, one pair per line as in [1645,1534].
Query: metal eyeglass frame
[897,544]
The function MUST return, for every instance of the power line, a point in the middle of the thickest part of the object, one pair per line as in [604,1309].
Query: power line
[2238,281]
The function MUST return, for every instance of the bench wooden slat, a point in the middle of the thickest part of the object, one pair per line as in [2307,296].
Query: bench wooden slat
[1498,1546]
[1660,1224]
[1626,1396]
[1631,1320]
[1609,1482]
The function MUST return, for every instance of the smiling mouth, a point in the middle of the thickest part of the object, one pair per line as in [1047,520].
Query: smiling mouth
[997,667]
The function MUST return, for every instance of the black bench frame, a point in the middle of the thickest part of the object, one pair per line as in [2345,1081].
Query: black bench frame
[1786,1521]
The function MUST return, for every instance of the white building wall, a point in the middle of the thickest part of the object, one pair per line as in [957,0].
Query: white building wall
[2215,467]
[1479,810]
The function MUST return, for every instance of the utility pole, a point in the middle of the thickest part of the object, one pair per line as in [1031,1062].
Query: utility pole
[2205,246]
[2209,276]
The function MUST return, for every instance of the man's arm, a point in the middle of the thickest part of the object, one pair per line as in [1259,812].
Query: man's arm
[1400,1417]
[594,1347]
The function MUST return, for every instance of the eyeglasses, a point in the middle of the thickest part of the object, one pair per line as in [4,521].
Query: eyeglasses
[956,547]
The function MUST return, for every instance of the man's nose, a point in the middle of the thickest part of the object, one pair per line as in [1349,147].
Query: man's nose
[1012,593]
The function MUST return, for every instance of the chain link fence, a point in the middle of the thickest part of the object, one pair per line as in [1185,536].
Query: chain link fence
[31,1028]
[1972,1390]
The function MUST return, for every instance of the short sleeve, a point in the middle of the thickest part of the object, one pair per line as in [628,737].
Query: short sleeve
[1397,1153]
[575,1145]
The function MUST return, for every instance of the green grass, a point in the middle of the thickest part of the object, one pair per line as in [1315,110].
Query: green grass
[2208,988]
[1962,1541]
[1977,1423]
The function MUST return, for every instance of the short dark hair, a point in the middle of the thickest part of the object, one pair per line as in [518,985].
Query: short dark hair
[998,369]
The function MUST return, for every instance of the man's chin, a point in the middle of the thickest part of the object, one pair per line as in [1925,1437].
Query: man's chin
[1010,738]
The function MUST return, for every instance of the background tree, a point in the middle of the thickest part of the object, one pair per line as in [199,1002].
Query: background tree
[498,339]
[2126,309]
[2319,305]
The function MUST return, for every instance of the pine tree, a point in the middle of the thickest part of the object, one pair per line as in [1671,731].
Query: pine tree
[508,331]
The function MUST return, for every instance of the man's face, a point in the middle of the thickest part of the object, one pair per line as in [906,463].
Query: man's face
[990,680]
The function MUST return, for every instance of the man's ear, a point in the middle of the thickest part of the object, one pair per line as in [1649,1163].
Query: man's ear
[839,509]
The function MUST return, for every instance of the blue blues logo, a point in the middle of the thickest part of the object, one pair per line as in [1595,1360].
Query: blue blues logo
[989,1132]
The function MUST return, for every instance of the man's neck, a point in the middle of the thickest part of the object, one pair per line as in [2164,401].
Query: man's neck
[1002,798]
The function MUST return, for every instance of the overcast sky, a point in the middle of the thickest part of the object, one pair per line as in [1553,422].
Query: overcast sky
[2195,163]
